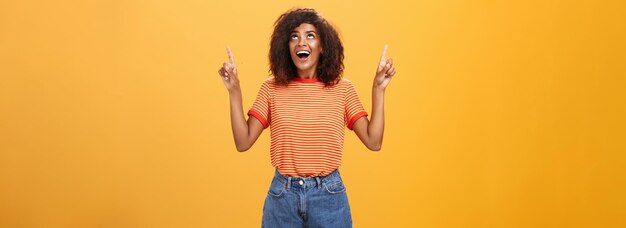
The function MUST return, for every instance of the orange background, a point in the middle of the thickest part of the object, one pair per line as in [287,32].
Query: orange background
[502,113]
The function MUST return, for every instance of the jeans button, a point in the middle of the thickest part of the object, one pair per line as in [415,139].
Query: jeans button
[301,182]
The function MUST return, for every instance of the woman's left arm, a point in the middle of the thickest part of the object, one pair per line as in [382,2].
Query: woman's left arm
[371,131]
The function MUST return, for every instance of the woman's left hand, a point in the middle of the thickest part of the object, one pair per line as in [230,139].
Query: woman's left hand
[385,71]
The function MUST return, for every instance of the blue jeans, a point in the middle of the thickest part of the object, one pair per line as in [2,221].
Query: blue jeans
[307,202]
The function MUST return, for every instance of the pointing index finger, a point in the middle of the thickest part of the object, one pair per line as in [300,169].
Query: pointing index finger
[230,55]
[383,57]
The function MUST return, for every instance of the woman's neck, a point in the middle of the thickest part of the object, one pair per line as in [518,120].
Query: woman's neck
[309,74]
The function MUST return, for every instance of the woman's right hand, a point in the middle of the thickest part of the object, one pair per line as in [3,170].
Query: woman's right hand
[228,72]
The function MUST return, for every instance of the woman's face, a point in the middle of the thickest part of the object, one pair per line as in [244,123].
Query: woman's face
[305,48]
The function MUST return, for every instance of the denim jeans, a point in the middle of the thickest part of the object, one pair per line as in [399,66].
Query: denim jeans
[307,202]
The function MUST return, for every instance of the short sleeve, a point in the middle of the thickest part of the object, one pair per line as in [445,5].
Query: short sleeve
[261,106]
[353,107]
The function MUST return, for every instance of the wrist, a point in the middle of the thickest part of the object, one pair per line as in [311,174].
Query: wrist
[234,91]
[378,89]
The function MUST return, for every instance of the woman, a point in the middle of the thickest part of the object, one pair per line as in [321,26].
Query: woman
[308,104]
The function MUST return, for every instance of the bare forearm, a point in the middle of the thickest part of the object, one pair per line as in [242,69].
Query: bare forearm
[238,121]
[376,125]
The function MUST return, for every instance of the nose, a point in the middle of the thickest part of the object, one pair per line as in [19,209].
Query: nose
[301,42]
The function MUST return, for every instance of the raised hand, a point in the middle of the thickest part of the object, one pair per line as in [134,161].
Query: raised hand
[385,71]
[228,72]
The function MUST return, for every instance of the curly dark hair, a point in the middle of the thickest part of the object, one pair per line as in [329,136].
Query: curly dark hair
[330,65]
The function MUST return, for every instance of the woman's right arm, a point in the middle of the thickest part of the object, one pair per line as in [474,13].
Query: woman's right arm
[245,132]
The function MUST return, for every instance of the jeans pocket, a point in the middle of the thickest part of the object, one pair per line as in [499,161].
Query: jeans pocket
[277,188]
[334,186]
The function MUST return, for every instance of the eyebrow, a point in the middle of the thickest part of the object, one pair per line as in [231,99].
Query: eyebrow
[313,31]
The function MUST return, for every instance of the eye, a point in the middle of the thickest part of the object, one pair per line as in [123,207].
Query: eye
[294,36]
[310,36]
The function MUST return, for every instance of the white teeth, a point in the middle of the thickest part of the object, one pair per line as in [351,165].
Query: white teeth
[303,52]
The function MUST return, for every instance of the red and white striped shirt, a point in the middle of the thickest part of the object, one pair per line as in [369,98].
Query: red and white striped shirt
[307,123]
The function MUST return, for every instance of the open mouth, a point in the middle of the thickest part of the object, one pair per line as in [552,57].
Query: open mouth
[303,55]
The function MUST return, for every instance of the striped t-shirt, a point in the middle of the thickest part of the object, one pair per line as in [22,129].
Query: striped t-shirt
[307,123]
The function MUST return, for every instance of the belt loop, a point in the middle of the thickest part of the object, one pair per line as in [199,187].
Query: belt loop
[317,179]
[288,183]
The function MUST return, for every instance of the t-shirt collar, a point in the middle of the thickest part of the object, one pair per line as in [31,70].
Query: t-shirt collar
[306,80]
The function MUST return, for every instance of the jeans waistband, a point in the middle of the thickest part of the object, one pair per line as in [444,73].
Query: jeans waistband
[304,182]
